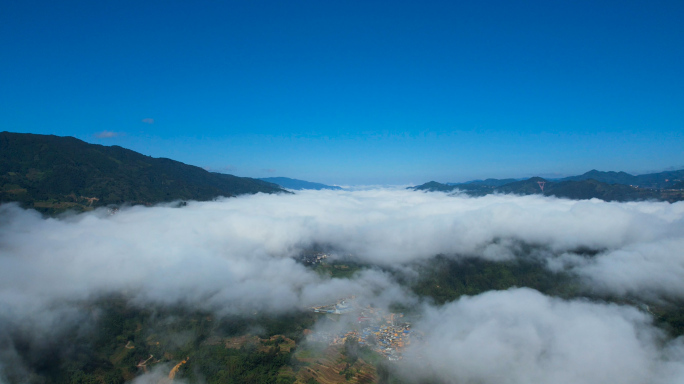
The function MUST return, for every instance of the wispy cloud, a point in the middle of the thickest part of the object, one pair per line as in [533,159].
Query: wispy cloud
[148,121]
[224,169]
[107,134]
[228,168]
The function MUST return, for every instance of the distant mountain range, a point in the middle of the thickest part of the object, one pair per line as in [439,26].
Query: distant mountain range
[661,180]
[298,185]
[52,174]
[608,186]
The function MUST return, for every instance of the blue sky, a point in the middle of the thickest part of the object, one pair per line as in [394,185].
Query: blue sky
[355,92]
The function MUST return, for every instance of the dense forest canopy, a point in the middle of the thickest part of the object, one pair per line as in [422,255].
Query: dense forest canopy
[52,174]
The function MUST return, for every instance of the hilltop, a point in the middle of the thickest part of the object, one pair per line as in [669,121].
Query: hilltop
[608,186]
[660,180]
[52,174]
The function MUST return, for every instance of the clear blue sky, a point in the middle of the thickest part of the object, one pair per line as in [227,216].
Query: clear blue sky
[355,92]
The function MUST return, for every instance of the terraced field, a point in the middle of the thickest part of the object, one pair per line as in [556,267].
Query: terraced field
[330,366]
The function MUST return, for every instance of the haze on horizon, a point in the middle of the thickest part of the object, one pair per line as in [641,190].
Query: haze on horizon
[354,93]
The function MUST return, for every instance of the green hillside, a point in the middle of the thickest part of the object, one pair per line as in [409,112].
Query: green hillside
[661,180]
[52,174]
[569,189]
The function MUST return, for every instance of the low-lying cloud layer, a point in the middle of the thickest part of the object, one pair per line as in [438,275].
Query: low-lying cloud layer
[521,336]
[233,256]
[245,241]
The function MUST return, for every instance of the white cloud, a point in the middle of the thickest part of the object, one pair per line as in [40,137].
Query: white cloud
[653,270]
[521,336]
[107,134]
[233,256]
[237,250]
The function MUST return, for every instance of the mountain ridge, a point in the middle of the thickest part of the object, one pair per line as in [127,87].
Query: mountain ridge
[657,180]
[54,173]
[576,187]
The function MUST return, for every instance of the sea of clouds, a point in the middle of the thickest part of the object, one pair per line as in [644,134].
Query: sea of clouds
[235,256]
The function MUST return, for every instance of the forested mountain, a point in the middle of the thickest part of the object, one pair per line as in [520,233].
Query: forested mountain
[570,189]
[661,180]
[52,174]
[295,184]
[604,177]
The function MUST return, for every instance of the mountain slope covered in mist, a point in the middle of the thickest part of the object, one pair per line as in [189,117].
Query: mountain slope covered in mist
[51,174]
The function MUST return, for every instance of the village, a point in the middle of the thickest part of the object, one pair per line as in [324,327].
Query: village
[385,333]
